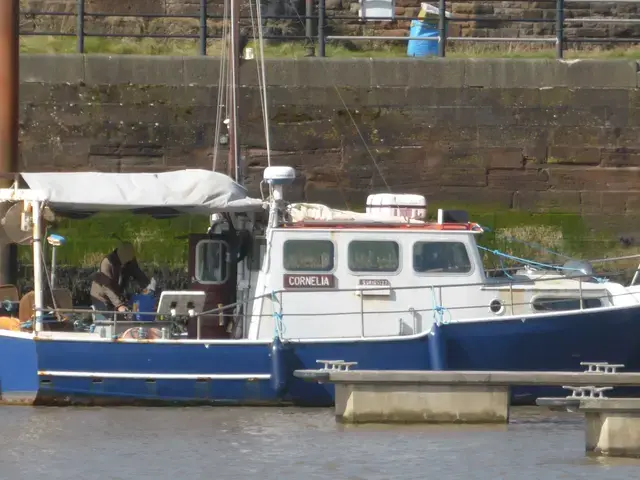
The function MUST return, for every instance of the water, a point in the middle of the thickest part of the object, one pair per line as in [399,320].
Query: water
[234,443]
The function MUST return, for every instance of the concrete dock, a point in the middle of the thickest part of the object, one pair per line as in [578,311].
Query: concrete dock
[612,426]
[443,396]
[373,396]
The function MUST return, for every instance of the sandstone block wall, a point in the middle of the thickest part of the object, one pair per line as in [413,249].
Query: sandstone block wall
[528,135]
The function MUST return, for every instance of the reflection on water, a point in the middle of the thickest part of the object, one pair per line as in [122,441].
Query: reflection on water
[230,443]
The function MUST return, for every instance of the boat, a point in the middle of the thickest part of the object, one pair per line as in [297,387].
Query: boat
[298,285]
[278,286]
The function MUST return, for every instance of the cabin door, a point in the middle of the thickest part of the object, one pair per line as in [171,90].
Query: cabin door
[213,269]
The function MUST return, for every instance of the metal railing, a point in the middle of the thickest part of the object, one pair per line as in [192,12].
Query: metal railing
[277,301]
[317,14]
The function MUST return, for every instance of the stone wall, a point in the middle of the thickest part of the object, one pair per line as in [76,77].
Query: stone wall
[537,17]
[528,135]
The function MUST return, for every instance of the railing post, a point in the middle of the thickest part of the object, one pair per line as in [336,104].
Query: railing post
[321,20]
[308,22]
[80,25]
[362,313]
[581,302]
[442,28]
[559,28]
[203,27]
[511,295]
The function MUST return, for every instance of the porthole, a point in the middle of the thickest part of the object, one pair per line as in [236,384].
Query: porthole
[496,307]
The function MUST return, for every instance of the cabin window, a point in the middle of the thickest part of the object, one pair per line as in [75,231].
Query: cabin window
[308,255]
[553,304]
[440,257]
[374,256]
[211,261]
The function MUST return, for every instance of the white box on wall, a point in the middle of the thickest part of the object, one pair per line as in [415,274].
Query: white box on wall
[377,9]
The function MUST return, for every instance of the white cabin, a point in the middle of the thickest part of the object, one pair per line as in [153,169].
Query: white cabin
[377,281]
[335,274]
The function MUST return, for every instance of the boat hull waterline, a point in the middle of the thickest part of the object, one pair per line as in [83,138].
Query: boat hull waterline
[230,372]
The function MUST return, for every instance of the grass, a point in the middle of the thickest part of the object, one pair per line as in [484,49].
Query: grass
[149,46]
[157,242]
[162,243]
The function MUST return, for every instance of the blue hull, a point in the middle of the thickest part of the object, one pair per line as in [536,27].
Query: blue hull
[242,373]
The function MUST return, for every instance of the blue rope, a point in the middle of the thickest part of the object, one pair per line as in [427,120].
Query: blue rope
[504,270]
[524,261]
[279,328]
[528,244]
[439,311]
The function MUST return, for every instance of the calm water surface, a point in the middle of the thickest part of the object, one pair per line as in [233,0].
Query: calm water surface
[233,443]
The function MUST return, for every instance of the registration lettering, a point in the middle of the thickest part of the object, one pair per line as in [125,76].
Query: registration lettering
[374,282]
[308,281]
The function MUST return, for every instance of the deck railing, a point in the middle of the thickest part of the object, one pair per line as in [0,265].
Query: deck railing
[278,300]
[315,22]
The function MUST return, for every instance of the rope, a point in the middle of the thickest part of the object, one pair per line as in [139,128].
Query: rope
[346,108]
[279,327]
[262,79]
[504,270]
[223,73]
[439,311]
[524,261]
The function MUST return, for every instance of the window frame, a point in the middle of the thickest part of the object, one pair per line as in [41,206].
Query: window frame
[306,270]
[374,272]
[427,273]
[198,257]
[541,295]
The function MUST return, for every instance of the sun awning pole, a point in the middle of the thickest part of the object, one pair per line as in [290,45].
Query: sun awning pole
[37,263]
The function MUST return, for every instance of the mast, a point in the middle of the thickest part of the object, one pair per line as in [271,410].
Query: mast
[233,167]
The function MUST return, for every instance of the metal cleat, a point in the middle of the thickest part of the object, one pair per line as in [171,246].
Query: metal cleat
[601,367]
[339,365]
[581,392]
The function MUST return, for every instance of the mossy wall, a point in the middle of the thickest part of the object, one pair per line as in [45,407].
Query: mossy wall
[546,150]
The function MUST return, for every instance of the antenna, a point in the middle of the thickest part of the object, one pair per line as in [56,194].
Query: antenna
[277,177]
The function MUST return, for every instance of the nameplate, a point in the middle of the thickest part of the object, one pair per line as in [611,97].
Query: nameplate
[308,281]
[374,287]
[374,282]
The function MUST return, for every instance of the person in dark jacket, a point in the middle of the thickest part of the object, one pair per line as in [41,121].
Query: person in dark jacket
[110,282]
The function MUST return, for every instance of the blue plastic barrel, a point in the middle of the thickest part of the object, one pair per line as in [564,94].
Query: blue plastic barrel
[144,303]
[420,48]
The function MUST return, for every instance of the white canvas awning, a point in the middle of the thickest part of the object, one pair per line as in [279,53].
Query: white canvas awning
[182,191]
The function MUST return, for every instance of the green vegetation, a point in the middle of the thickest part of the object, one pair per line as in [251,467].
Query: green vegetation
[162,243]
[509,231]
[150,46]
[157,242]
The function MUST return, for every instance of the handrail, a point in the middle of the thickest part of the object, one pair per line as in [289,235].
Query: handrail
[321,19]
[411,310]
[435,307]
[508,283]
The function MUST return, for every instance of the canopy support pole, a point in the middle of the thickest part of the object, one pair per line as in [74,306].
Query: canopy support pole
[37,264]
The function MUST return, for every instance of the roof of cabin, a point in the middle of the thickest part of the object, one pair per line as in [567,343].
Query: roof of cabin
[430,226]
[319,216]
